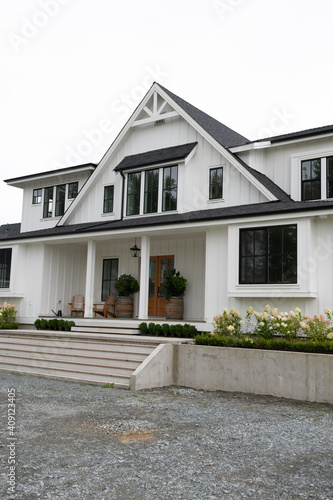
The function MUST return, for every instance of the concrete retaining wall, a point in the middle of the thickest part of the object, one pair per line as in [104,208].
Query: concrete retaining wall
[307,377]
[156,370]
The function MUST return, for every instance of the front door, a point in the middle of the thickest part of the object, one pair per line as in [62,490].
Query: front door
[158,270]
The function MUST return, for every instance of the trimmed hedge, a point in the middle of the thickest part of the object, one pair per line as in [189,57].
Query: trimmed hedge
[166,330]
[9,326]
[54,324]
[277,344]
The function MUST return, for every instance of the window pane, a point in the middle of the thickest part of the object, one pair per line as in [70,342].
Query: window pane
[260,242]
[311,179]
[60,200]
[247,242]
[260,270]
[109,277]
[151,191]
[329,167]
[216,183]
[73,189]
[37,196]
[5,266]
[169,201]
[108,199]
[48,202]
[133,193]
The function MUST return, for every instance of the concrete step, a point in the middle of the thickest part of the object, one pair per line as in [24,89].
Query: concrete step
[79,360]
[106,329]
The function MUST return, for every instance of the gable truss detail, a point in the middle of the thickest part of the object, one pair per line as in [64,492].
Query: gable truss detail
[154,112]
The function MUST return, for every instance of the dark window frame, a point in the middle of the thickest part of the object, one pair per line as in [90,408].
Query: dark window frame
[48,202]
[329,178]
[73,189]
[5,267]
[258,260]
[108,200]
[37,196]
[167,199]
[133,195]
[311,186]
[108,283]
[215,188]
[150,202]
[60,200]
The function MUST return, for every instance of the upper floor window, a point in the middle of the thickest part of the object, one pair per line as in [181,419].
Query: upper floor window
[268,255]
[37,196]
[48,202]
[73,189]
[170,181]
[108,199]
[317,178]
[133,193]
[216,183]
[151,191]
[60,200]
[5,265]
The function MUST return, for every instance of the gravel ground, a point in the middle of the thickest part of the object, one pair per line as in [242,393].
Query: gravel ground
[86,442]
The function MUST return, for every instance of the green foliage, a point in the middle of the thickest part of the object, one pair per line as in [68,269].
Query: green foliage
[167,330]
[8,316]
[228,323]
[126,285]
[108,385]
[260,342]
[54,324]
[174,285]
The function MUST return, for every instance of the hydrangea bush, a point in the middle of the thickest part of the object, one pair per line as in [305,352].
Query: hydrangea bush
[271,322]
[8,316]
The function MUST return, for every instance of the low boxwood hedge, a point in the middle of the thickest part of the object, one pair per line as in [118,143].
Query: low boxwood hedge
[166,330]
[54,324]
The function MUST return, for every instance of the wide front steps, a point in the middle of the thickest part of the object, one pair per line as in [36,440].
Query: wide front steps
[86,361]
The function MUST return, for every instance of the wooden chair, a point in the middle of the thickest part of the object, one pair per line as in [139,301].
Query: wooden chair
[109,305]
[77,305]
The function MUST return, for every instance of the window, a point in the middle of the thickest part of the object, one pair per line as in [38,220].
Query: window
[73,189]
[133,193]
[109,277]
[5,265]
[48,202]
[216,183]
[329,177]
[36,196]
[311,179]
[108,199]
[169,199]
[60,200]
[268,255]
[151,191]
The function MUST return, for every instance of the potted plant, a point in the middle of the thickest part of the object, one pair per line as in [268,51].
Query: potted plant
[174,286]
[126,286]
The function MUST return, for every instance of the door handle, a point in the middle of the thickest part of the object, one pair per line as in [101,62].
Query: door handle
[158,292]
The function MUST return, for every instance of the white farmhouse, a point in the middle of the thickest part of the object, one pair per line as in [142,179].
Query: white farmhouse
[246,223]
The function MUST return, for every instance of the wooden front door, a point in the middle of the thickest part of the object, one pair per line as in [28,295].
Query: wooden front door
[158,270]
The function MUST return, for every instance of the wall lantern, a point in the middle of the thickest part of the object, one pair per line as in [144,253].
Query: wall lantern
[135,251]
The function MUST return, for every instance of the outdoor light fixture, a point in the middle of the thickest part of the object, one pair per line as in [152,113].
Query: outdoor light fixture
[135,251]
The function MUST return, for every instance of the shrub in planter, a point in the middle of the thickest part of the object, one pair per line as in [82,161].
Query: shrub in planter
[126,285]
[174,285]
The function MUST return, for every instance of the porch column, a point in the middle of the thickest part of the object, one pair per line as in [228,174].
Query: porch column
[212,275]
[90,279]
[144,277]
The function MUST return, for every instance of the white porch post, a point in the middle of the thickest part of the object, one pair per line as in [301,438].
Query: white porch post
[144,277]
[90,279]
[211,276]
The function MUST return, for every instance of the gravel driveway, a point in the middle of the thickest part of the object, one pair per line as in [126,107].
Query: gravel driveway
[75,441]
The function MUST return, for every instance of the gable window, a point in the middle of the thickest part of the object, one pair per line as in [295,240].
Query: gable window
[169,197]
[151,191]
[311,179]
[216,183]
[268,255]
[108,199]
[133,193]
[60,200]
[109,277]
[73,189]
[5,265]
[36,196]
[48,202]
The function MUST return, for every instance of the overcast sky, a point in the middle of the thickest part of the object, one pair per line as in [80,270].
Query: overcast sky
[72,72]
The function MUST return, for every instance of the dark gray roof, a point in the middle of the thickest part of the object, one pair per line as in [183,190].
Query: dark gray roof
[175,153]
[221,133]
[58,171]
[274,208]
[311,132]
